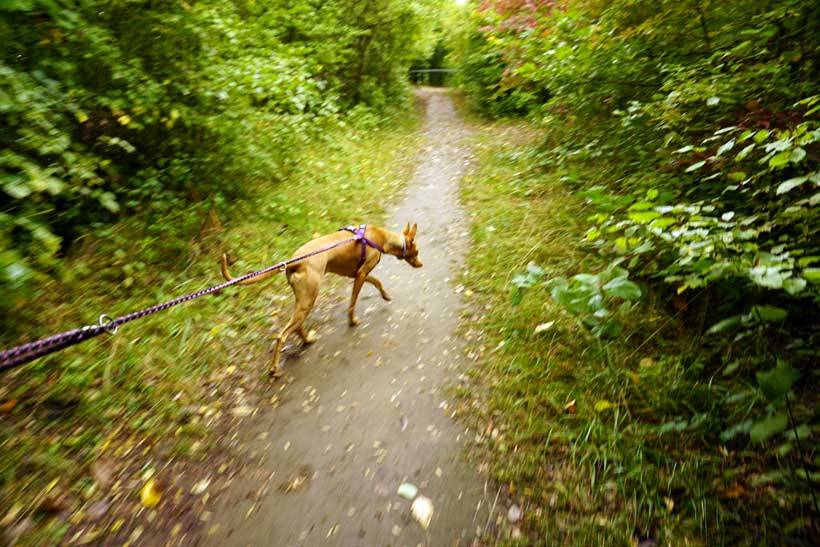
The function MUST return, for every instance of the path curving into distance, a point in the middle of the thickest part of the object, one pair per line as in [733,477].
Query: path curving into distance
[365,409]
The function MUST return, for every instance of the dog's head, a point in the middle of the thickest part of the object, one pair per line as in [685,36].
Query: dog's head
[411,251]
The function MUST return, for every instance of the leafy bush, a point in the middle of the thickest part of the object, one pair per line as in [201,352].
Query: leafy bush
[123,108]
[694,127]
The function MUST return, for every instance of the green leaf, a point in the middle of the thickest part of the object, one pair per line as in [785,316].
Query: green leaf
[765,428]
[17,190]
[797,155]
[535,270]
[761,135]
[623,288]
[108,201]
[712,101]
[725,147]
[663,222]
[767,276]
[587,279]
[780,159]
[794,285]
[695,166]
[644,216]
[725,324]
[812,275]
[778,381]
[745,152]
[790,184]
[516,296]
[768,314]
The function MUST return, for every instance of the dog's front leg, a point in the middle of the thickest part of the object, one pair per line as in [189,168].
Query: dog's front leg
[357,286]
[378,284]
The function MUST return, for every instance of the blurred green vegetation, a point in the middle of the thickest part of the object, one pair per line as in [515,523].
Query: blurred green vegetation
[683,139]
[140,141]
[130,108]
[161,390]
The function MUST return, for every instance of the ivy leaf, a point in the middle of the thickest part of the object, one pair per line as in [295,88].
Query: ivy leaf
[765,428]
[778,381]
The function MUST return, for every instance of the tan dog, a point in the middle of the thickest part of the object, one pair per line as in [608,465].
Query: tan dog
[349,260]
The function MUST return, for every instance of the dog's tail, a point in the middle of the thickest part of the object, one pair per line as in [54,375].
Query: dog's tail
[227,275]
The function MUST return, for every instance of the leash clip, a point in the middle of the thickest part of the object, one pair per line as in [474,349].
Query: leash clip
[105,322]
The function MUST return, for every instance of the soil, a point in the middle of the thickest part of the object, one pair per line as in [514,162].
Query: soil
[366,408]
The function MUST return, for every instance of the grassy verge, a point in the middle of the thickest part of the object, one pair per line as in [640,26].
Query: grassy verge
[83,430]
[580,431]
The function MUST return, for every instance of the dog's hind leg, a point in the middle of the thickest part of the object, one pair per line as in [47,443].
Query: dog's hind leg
[378,284]
[305,287]
[351,310]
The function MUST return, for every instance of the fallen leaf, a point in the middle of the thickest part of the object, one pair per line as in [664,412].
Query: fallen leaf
[422,510]
[242,411]
[736,491]
[514,513]
[570,407]
[8,406]
[407,490]
[201,486]
[602,405]
[544,326]
[150,494]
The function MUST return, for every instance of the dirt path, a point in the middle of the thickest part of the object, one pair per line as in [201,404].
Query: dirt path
[364,409]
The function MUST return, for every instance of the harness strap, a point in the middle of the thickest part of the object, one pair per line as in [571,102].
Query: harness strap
[365,241]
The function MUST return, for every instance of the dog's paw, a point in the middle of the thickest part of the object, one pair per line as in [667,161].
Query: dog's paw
[387,297]
[310,338]
[276,373]
[352,321]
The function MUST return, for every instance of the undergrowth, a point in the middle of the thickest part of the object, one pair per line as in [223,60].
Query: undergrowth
[150,393]
[604,439]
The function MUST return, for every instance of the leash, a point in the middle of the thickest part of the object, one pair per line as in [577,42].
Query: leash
[25,353]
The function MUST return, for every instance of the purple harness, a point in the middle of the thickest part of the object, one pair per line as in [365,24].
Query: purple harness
[365,241]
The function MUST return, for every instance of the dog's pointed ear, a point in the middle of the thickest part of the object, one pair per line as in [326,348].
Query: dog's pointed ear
[413,231]
[406,229]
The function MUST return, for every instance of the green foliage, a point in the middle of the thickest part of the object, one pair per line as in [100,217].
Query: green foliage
[691,130]
[591,297]
[137,108]
[154,395]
